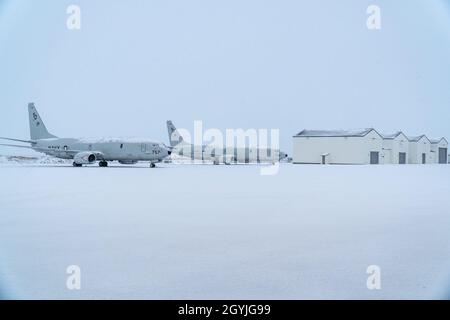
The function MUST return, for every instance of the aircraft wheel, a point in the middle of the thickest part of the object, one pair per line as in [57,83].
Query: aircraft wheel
[103,164]
[152,165]
[76,164]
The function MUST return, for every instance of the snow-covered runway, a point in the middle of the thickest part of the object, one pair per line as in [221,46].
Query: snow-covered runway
[203,231]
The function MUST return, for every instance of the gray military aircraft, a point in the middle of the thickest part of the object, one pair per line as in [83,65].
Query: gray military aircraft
[217,155]
[86,151]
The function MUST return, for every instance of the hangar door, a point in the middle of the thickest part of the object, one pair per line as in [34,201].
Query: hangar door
[402,158]
[374,157]
[442,155]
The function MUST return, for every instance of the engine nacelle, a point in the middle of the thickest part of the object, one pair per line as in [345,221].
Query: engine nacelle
[85,157]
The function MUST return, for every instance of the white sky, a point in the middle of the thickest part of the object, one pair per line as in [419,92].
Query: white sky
[233,64]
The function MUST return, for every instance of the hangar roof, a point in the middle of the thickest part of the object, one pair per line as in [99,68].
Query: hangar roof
[334,133]
[417,138]
[436,141]
[391,136]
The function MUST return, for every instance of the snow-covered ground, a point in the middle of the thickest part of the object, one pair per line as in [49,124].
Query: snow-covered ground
[203,231]
[30,160]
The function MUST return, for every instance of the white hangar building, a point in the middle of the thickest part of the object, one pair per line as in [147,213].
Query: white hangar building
[338,147]
[395,148]
[420,150]
[439,150]
[366,146]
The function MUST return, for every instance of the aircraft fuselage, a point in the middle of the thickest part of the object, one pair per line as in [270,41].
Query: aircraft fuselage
[110,150]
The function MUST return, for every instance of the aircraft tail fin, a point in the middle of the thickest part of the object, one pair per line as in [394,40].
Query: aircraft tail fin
[174,136]
[37,126]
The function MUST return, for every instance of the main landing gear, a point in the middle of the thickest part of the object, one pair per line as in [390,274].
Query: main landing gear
[77,164]
[103,164]
[152,165]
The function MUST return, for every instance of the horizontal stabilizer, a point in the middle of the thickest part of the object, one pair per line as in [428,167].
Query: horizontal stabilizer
[15,146]
[18,140]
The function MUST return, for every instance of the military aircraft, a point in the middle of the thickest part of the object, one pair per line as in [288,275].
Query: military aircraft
[89,151]
[217,155]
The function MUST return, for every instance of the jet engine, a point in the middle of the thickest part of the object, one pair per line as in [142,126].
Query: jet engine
[85,157]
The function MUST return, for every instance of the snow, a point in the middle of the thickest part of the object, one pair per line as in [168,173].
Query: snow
[416,138]
[29,160]
[436,141]
[357,133]
[391,135]
[204,231]
[116,140]
[334,133]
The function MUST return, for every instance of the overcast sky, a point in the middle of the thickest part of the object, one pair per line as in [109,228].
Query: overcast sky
[233,64]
